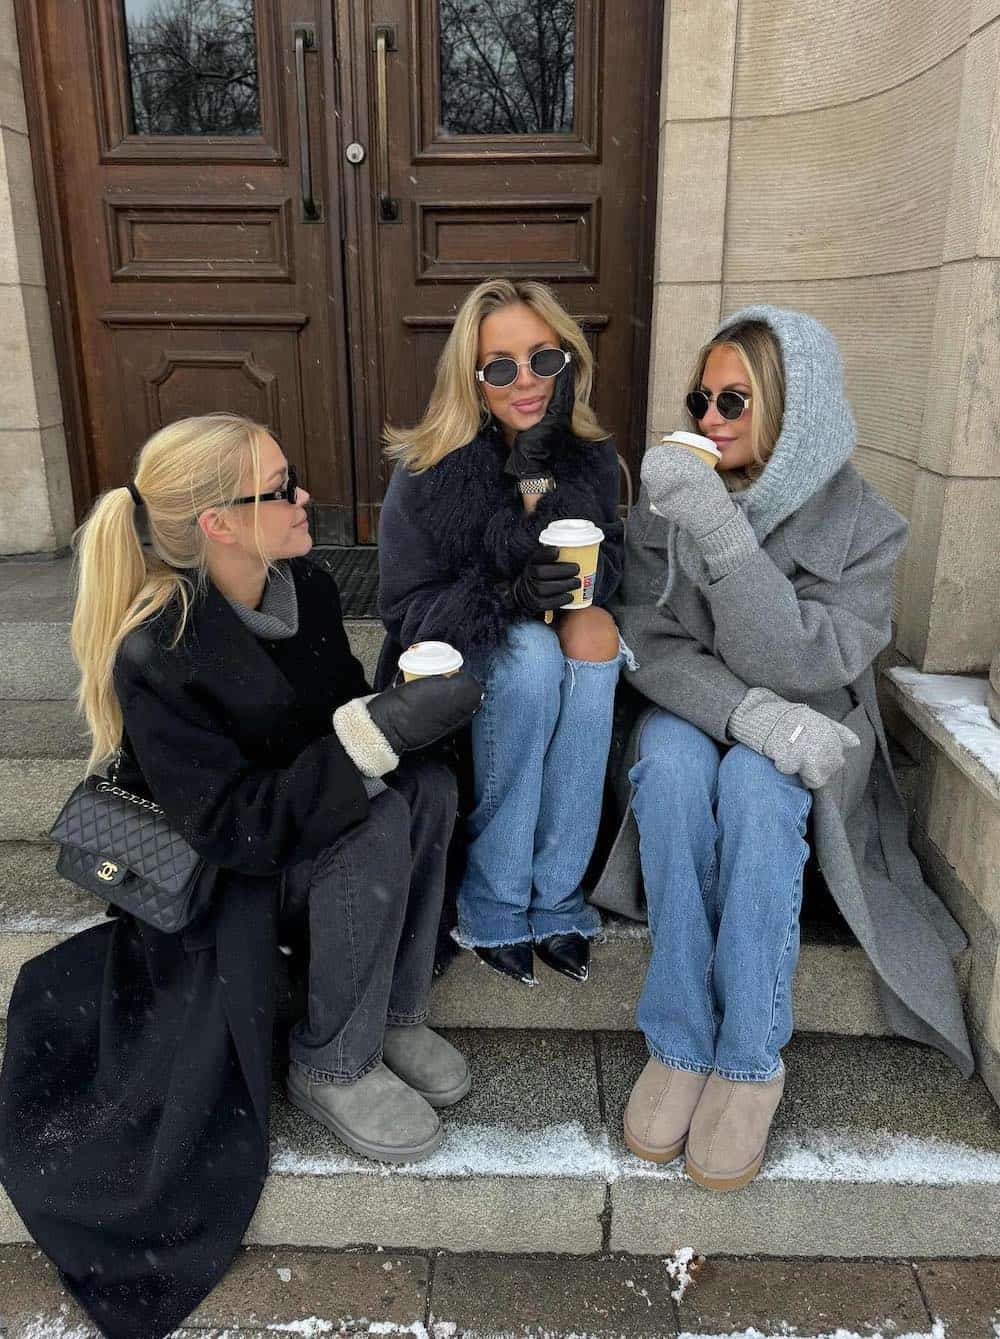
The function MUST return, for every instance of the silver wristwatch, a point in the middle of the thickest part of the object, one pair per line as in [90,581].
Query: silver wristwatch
[542,483]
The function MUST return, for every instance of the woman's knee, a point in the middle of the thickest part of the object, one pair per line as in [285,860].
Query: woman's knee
[674,753]
[750,778]
[588,634]
[531,665]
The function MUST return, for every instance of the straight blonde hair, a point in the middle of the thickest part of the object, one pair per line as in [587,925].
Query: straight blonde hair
[755,345]
[184,469]
[456,411]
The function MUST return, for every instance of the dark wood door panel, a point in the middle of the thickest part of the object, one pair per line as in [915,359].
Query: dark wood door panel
[444,207]
[196,281]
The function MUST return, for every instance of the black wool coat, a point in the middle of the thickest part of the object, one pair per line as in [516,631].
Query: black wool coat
[134,1097]
[448,535]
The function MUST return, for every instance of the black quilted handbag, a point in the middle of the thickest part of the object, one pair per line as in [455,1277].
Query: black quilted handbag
[121,847]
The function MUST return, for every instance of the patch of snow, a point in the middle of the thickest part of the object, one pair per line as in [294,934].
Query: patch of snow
[285,1275]
[682,1267]
[16,920]
[937,1331]
[565,1150]
[870,1158]
[958,703]
[416,1328]
[311,1328]
[53,1327]
[443,1329]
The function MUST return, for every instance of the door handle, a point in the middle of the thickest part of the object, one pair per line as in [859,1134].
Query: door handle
[385,41]
[305,40]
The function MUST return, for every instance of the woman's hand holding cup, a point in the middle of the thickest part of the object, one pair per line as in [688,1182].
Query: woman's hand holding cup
[543,586]
[417,714]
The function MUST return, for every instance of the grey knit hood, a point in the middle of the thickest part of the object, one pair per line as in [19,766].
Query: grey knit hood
[818,432]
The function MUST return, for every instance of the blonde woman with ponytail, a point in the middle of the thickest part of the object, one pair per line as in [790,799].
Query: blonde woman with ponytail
[509,443]
[216,673]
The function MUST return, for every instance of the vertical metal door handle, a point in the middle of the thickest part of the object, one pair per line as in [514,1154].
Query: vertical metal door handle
[388,208]
[304,41]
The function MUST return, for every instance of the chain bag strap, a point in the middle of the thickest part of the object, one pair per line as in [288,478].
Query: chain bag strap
[121,847]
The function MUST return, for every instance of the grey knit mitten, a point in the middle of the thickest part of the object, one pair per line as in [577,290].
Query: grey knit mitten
[685,490]
[795,738]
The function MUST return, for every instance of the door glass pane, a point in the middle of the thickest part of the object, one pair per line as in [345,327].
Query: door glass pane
[506,66]
[192,67]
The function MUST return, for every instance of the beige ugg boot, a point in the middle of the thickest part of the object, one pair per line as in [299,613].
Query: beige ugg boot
[659,1111]
[729,1129]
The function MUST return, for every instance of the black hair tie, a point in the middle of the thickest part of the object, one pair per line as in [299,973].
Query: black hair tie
[136,495]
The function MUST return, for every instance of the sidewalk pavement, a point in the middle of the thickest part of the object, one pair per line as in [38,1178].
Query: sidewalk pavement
[314,1293]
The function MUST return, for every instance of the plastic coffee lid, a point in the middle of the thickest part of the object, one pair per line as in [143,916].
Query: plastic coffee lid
[571,534]
[430,658]
[693,439]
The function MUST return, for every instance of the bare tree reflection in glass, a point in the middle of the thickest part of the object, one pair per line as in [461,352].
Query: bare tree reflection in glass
[506,66]
[193,67]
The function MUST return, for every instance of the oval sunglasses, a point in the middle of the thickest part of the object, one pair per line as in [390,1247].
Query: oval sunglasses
[730,404]
[500,372]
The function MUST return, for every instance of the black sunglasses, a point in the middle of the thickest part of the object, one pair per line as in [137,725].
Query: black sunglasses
[503,371]
[286,493]
[730,404]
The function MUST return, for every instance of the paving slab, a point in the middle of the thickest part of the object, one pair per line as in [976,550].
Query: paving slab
[964,1295]
[528,1136]
[879,1148]
[283,1286]
[602,1299]
[811,1297]
[32,791]
[42,729]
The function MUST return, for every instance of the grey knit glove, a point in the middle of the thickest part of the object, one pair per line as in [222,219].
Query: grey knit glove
[795,738]
[683,489]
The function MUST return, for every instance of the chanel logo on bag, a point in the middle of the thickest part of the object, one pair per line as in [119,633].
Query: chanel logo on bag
[107,870]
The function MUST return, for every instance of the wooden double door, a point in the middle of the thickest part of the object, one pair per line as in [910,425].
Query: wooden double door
[275,207]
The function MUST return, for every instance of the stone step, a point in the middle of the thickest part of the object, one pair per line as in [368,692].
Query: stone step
[878,1149]
[834,990]
[35,610]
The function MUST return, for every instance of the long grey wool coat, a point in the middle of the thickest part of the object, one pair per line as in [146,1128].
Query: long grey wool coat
[806,617]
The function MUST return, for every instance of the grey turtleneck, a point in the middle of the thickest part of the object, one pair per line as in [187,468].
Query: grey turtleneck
[277,615]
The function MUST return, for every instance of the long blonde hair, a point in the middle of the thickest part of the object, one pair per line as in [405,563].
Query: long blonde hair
[184,469]
[456,411]
[755,345]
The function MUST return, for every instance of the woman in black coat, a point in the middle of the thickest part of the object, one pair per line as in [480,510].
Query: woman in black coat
[508,445]
[136,1083]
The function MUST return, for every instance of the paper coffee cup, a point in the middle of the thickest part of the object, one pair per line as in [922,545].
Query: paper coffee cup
[577,542]
[703,447]
[424,659]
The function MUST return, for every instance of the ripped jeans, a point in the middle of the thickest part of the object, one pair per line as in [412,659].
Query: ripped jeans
[539,749]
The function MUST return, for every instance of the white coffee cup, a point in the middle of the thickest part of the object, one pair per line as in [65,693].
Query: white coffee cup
[578,542]
[424,659]
[703,447]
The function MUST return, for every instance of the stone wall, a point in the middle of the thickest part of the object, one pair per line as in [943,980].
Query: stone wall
[36,508]
[845,160]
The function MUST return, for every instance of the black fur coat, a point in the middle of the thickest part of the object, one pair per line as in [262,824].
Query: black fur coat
[448,535]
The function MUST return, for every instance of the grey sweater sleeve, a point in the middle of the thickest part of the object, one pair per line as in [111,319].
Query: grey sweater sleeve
[822,635]
[673,670]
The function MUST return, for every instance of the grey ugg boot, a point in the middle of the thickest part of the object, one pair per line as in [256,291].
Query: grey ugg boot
[729,1130]
[659,1111]
[377,1116]
[426,1062]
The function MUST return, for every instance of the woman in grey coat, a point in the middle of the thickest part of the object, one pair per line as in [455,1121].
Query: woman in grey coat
[755,599]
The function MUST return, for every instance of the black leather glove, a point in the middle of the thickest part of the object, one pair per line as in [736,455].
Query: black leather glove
[533,449]
[417,714]
[543,585]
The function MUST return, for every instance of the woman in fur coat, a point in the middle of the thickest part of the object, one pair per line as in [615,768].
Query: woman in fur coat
[756,598]
[507,445]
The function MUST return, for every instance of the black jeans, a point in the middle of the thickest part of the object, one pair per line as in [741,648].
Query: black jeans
[372,903]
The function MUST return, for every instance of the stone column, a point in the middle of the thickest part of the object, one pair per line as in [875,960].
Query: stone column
[37,511]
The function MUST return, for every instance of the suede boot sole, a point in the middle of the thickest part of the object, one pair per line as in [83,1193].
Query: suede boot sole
[735,1181]
[649,1154]
[366,1147]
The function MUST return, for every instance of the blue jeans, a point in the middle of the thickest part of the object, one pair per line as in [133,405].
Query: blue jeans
[539,751]
[722,847]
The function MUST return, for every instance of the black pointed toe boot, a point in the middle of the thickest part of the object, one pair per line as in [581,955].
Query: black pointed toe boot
[513,960]
[567,954]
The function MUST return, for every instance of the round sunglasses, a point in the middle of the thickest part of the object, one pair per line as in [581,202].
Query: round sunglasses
[499,372]
[730,404]
[286,493]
